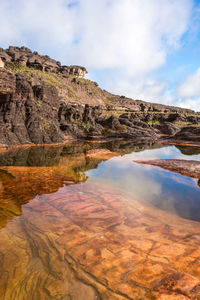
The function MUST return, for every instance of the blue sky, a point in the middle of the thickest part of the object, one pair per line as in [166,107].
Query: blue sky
[144,49]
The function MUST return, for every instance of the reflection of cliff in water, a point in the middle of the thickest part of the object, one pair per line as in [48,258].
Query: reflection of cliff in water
[30,171]
[188,150]
[20,184]
[91,240]
[50,155]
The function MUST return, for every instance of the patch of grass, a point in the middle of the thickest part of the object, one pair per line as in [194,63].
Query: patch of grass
[93,88]
[154,122]
[71,92]
[47,126]
[16,67]
[82,125]
[43,58]
[181,124]
[188,111]
[37,101]
[51,79]
[116,113]
[107,101]
[122,128]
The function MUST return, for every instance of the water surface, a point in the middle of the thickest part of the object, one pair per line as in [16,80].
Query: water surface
[83,221]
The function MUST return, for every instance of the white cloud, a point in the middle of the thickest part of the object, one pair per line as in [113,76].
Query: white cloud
[191,86]
[126,39]
[188,92]
[45,26]
[139,88]
[193,104]
[131,35]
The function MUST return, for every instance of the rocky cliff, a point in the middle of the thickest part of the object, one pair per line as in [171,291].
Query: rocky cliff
[43,102]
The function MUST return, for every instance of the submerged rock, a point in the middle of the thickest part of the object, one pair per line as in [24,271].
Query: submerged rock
[121,249]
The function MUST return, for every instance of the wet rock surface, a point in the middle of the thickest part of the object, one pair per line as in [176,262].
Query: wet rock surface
[64,238]
[188,134]
[189,168]
[90,240]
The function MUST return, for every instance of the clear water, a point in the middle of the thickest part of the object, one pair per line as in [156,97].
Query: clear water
[79,222]
[164,189]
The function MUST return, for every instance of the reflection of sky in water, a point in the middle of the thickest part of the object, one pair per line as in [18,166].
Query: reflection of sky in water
[164,189]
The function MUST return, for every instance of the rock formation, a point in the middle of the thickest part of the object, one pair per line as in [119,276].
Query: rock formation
[2,64]
[188,133]
[93,237]
[33,60]
[43,102]
[189,168]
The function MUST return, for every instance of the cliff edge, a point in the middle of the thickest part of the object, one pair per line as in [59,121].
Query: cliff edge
[42,101]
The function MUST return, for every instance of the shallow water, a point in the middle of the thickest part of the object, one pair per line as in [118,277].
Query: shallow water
[80,222]
[164,189]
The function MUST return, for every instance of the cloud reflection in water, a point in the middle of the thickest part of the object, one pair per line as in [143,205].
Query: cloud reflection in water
[164,189]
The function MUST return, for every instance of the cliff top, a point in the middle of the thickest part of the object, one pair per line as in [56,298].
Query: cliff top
[26,57]
[70,82]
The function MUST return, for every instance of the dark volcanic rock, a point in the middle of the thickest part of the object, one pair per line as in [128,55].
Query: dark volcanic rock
[28,114]
[188,134]
[168,128]
[173,117]
[188,150]
[43,102]
[112,122]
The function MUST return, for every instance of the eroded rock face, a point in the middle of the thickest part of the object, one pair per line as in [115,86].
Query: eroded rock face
[28,114]
[42,102]
[168,128]
[188,134]
[33,60]
[32,112]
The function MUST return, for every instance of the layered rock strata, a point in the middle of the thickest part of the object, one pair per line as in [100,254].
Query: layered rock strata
[43,102]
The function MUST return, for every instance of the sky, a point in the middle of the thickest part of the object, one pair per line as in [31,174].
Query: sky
[143,49]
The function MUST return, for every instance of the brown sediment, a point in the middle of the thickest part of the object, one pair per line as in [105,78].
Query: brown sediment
[20,184]
[68,140]
[190,168]
[104,140]
[180,143]
[87,239]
